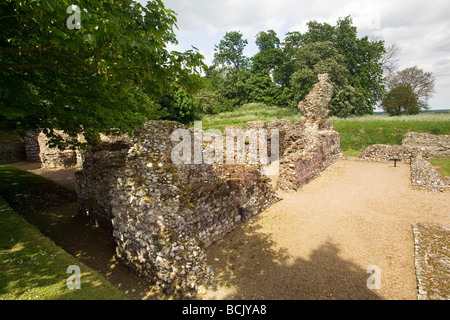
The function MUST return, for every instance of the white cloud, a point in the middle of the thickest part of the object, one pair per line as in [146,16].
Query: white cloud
[420,27]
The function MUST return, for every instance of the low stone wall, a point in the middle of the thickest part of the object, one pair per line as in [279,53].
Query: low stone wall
[425,176]
[14,152]
[385,153]
[38,150]
[99,177]
[431,259]
[437,146]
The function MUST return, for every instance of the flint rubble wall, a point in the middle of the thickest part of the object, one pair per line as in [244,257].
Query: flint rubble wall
[164,215]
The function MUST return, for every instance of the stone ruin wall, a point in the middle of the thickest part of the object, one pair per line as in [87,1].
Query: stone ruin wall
[424,176]
[38,150]
[13,152]
[417,148]
[163,216]
[384,153]
[317,145]
[436,146]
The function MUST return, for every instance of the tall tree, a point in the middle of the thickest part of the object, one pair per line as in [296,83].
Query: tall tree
[230,51]
[362,58]
[421,82]
[264,84]
[401,100]
[269,56]
[389,59]
[98,72]
[322,57]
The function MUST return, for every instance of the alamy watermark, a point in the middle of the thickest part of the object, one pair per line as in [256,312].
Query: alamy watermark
[74,281]
[236,146]
[374,280]
[74,21]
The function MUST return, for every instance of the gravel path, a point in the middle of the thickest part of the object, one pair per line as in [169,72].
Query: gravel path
[317,243]
[321,242]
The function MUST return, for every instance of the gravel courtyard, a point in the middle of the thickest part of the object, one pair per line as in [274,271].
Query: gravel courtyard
[320,242]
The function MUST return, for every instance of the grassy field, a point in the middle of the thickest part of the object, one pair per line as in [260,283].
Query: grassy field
[357,133]
[248,112]
[32,266]
[444,164]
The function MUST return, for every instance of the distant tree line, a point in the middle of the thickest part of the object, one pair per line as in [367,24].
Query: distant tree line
[283,72]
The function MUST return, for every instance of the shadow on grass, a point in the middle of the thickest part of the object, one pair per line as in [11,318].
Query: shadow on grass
[33,268]
[26,192]
[53,209]
[249,263]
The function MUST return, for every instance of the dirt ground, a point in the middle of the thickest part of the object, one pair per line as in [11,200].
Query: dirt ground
[321,242]
[318,243]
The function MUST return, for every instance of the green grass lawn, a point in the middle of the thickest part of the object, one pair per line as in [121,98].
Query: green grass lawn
[246,113]
[443,163]
[32,267]
[357,133]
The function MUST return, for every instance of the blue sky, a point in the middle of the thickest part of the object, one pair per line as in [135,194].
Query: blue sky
[420,27]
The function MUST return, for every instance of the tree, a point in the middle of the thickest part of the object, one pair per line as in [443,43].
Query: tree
[401,100]
[230,51]
[263,85]
[322,57]
[421,82]
[362,59]
[267,40]
[178,106]
[102,78]
[269,56]
[389,58]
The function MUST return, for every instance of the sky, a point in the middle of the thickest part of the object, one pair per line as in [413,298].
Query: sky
[421,28]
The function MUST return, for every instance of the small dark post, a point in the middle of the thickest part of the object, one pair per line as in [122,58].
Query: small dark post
[395,162]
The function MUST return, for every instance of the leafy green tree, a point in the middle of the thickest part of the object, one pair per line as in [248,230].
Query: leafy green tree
[208,102]
[229,53]
[269,56]
[401,100]
[267,40]
[229,73]
[322,57]
[101,78]
[262,86]
[291,43]
[361,57]
[178,106]
[421,82]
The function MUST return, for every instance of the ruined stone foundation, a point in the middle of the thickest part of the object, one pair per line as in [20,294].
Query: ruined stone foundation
[164,215]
